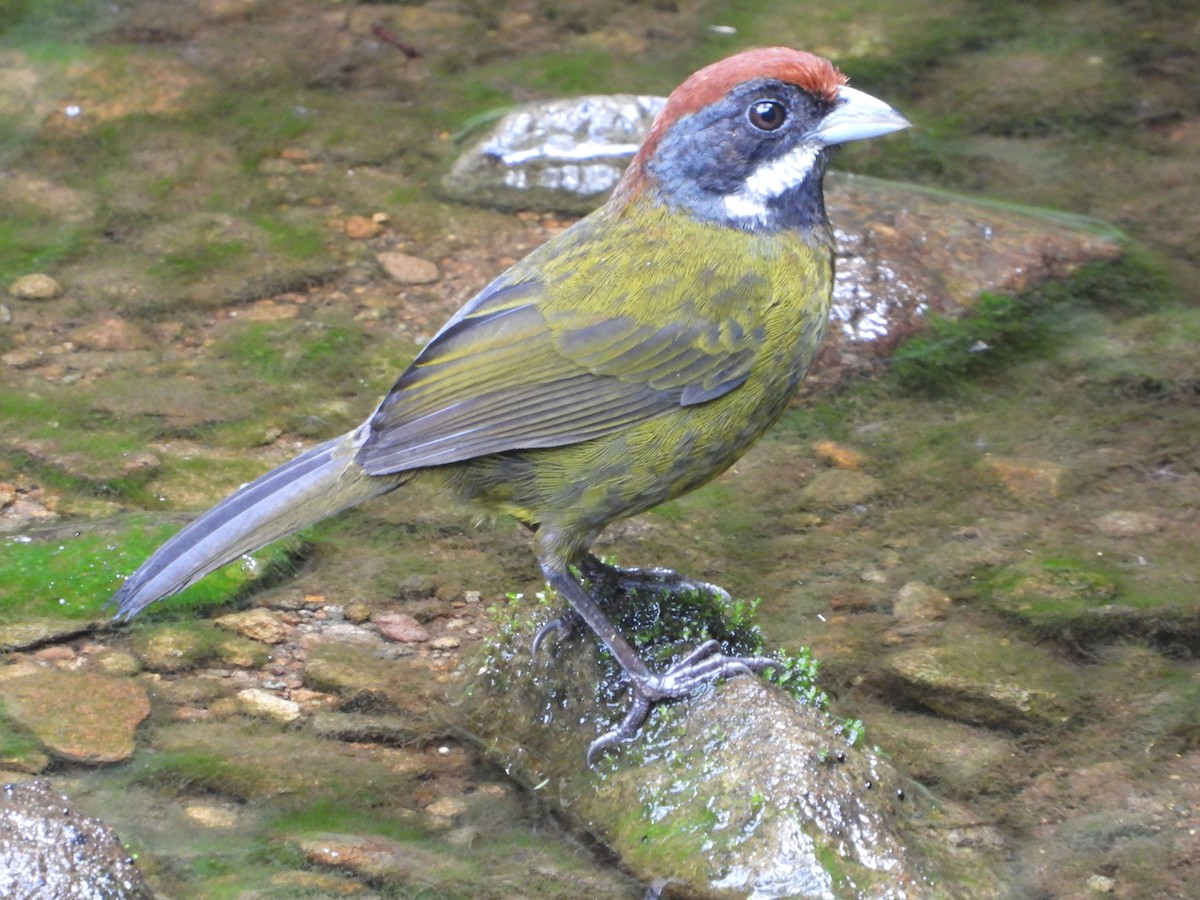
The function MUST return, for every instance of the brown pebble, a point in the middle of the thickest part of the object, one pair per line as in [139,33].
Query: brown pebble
[839,455]
[400,627]
[110,334]
[57,653]
[35,287]
[360,228]
[408,269]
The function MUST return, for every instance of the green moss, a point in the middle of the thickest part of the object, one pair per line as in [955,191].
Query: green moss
[259,123]
[72,575]
[34,242]
[656,621]
[15,742]
[339,816]
[327,352]
[295,239]
[53,23]
[1091,599]
[291,771]
[199,259]
[796,673]
[74,425]
[1001,329]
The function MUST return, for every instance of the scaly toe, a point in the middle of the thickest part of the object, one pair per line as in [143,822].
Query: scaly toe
[626,731]
[704,665]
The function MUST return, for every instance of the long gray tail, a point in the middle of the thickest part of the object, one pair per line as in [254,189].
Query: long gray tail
[314,485]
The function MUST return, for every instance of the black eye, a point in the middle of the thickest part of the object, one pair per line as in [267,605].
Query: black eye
[767,115]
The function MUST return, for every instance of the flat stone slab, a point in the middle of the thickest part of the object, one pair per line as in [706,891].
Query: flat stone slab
[79,716]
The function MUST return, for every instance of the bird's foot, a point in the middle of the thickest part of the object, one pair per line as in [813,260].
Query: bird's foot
[704,665]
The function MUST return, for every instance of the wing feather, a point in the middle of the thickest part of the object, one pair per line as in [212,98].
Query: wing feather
[508,373]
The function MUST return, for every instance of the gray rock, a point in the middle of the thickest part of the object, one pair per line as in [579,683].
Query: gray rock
[905,252]
[739,791]
[396,730]
[48,848]
[564,155]
[971,677]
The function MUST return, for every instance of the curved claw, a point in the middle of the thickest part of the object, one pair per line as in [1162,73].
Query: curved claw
[626,731]
[563,625]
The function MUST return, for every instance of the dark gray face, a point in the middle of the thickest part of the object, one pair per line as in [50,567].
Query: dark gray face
[750,161]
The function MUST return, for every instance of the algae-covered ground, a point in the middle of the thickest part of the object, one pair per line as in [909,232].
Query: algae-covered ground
[991,548]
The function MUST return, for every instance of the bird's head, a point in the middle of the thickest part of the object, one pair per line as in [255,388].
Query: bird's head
[744,141]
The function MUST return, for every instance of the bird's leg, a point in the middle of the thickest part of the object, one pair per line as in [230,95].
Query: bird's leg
[606,580]
[705,664]
[653,580]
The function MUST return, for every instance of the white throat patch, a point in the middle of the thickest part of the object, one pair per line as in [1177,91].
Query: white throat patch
[769,181]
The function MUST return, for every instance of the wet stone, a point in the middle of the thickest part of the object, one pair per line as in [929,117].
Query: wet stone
[306,883]
[400,627]
[25,760]
[33,632]
[973,677]
[737,791]
[256,624]
[357,679]
[208,816]
[170,649]
[242,652]
[920,601]
[1029,480]
[117,663]
[35,287]
[360,228]
[265,705]
[79,716]
[1128,523]
[367,728]
[110,334]
[406,269]
[49,848]
[959,760]
[840,455]
[562,155]
[86,466]
[372,857]
[840,488]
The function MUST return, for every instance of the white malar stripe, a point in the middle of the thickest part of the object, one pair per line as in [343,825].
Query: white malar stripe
[770,180]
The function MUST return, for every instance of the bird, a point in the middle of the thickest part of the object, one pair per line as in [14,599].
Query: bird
[630,359]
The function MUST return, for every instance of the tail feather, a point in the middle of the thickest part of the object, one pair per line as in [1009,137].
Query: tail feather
[313,486]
